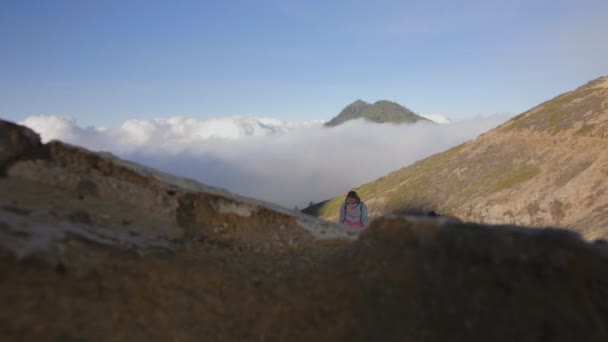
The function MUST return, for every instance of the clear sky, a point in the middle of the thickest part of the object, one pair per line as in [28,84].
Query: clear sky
[104,62]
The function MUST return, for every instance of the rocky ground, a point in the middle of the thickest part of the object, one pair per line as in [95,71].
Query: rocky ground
[93,248]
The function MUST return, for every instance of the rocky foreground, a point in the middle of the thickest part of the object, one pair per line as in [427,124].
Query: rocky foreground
[93,248]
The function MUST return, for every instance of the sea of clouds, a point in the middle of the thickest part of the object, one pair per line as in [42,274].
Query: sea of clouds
[291,164]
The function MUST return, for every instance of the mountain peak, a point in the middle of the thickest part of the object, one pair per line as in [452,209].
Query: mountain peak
[380,112]
[358,103]
[385,102]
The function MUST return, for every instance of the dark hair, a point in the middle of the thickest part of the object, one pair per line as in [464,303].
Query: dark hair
[353,194]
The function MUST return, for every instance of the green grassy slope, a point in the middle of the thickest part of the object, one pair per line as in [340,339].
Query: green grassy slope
[547,166]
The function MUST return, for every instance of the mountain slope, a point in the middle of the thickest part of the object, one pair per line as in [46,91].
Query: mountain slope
[547,166]
[380,112]
[94,248]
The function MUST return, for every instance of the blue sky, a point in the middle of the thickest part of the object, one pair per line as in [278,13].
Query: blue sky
[104,62]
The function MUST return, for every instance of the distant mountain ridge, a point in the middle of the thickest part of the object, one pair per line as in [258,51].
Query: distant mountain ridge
[380,112]
[545,167]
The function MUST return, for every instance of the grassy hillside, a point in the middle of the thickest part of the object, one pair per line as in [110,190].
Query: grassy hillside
[547,166]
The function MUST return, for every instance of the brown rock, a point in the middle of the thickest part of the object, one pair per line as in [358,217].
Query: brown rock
[16,141]
[405,279]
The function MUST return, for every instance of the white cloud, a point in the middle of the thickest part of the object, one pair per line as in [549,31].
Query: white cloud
[289,164]
[437,118]
[53,127]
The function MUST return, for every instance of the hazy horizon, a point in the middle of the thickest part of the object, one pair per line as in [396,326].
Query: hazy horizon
[290,164]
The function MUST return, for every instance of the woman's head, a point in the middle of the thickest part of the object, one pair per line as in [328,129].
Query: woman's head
[352,197]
